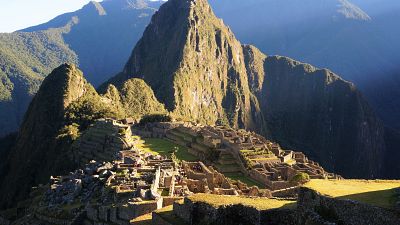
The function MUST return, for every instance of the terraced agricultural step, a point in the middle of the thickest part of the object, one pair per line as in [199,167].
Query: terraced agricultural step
[227,161]
[200,147]
[173,137]
[228,168]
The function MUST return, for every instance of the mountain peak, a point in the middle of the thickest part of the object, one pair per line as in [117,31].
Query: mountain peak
[351,11]
[66,83]
[96,7]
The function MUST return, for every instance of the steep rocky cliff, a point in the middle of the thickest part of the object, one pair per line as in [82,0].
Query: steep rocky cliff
[195,66]
[315,111]
[200,72]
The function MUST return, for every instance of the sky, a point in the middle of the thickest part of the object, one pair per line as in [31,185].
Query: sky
[19,14]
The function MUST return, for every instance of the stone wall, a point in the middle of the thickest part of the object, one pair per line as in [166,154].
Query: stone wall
[196,213]
[314,208]
[158,220]
[101,141]
[121,214]
[167,201]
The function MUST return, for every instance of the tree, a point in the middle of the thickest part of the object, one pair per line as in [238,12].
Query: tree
[300,178]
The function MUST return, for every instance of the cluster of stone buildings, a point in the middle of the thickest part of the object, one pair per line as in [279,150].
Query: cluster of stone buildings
[239,151]
[118,182]
[131,184]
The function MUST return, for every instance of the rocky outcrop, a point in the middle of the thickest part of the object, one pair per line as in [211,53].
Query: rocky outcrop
[199,70]
[314,208]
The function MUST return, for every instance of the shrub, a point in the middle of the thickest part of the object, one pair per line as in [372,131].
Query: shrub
[155,118]
[300,178]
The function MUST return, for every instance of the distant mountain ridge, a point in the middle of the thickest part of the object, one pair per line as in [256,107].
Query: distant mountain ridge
[356,39]
[328,34]
[86,37]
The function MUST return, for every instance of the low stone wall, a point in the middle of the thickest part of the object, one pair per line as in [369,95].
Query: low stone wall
[202,213]
[278,185]
[314,208]
[184,211]
[288,192]
[158,220]
[167,201]
[121,214]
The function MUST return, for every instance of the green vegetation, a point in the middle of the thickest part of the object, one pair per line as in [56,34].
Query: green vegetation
[89,108]
[375,192]
[25,58]
[155,118]
[70,131]
[259,203]
[300,178]
[245,179]
[137,99]
[166,148]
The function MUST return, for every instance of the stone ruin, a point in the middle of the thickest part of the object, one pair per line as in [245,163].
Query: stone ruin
[133,184]
[123,183]
[239,151]
[202,179]
[102,141]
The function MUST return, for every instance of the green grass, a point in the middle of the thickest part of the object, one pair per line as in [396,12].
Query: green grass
[258,203]
[247,180]
[165,148]
[375,192]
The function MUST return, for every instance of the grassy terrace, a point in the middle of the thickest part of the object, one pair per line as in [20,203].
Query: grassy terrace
[247,180]
[379,193]
[259,203]
[165,147]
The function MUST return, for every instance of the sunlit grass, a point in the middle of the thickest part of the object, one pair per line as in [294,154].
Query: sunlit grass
[375,192]
[245,179]
[164,147]
[259,203]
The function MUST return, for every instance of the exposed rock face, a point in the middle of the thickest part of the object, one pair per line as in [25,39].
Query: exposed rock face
[200,71]
[319,113]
